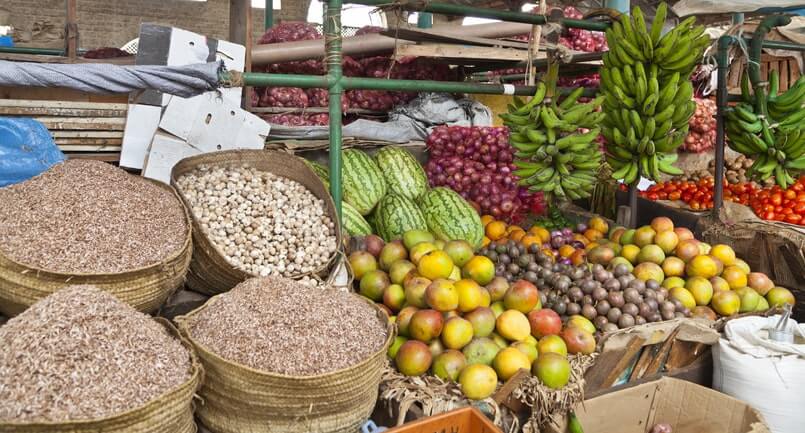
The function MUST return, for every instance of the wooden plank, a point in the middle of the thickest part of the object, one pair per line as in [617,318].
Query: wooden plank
[80,123]
[662,355]
[31,103]
[436,36]
[71,30]
[239,18]
[783,76]
[107,157]
[90,141]
[632,349]
[461,52]
[683,353]
[503,395]
[648,354]
[87,148]
[59,112]
[87,134]
[59,93]
[610,365]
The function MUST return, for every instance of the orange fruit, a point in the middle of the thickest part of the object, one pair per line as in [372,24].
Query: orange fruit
[486,219]
[517,235]
[495,230]
[435,264]
[541,232]
[581,238]
[593,234]
[480,269]
[529,240]
[485,241]
[566,251]
[512,228]
[598,224]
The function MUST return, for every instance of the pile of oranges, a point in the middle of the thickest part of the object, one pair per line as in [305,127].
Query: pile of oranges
[561,244]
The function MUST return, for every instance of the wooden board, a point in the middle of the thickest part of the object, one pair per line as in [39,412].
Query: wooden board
[430,35]
[87,148]
[106,157]
[26,107]
[87,134]
[89,141]
[788,69]
[82,123]
[609,366]
[462,53]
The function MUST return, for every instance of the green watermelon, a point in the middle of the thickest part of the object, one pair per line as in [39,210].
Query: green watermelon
[451,217]
[320,170]
[396,215]
[353,222]
[403,173]
[362,181]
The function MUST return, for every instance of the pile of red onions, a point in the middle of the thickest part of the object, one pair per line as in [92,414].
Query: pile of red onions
[292,32]
[476,162]
[376,100]
[702,136]
[321,98]
[315,119]
[284,97]
[106,53]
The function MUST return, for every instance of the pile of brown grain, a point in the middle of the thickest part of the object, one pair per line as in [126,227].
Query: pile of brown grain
[278,325]
[82,354]
[86,216]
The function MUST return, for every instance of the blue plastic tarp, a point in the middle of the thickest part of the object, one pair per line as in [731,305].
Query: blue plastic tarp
[26,150]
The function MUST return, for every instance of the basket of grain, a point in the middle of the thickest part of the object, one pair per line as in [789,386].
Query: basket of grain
[81,361]
[88,222]
[284,357]
[255,213]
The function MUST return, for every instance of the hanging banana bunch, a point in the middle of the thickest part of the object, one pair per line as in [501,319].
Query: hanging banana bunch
[776,140]
[647,88]
[556,151]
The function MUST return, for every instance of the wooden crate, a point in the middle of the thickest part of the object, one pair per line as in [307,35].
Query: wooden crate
[788,68]
[464,420]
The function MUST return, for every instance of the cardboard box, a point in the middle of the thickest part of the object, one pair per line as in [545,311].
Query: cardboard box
[687,407]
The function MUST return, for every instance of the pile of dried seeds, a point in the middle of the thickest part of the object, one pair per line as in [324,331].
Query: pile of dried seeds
[82,354]
[278,325]
[84,216]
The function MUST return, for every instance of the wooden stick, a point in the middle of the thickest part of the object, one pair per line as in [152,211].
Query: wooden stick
[632,349]
[536,34]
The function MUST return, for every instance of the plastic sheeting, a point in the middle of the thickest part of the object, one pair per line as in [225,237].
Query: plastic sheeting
[768,375]
[412,121]
[26,150]
[696,7]
[184,81]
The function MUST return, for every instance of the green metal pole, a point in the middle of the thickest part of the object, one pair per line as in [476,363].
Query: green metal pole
[424,20]
[32,50]
[495,14]
[332,49]
[269,14]
[722,59]
[255,79]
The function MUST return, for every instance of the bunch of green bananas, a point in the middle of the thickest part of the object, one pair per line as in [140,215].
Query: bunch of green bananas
[553,153]
[776,141]
[645,79]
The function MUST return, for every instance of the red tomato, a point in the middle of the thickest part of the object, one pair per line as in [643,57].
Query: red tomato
[793,219]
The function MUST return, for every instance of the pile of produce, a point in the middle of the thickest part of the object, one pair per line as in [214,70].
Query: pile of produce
[278,325]
[389,195]
[709,281]
[477,163]
[699,195]
[769,129]
[648,102]
[292,32]
[702,125]
[289,119]
[735,171]
[82,354]
[106,53]
[458,322]
[89,217]
[261,223]
[557,152]
[777,204]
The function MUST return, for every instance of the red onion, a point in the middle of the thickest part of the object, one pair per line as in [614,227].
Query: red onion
[702,136]
[317,119]
[291,32]
[376,100]
[321,98]
[284,97]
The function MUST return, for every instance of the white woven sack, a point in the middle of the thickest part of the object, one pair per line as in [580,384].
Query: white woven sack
[768,375]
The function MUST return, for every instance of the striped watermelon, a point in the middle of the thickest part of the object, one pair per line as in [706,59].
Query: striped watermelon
[362,181]
[403,173]
[450,217]
[396,215]
[320,170]
[353,221]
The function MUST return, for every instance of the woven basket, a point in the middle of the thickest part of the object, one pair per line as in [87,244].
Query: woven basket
[171,412]
[239,399]
[210,273]
[145,289]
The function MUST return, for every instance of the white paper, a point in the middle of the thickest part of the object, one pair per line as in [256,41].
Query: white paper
[141,124]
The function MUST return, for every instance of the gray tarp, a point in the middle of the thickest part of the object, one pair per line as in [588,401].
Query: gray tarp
[184,81]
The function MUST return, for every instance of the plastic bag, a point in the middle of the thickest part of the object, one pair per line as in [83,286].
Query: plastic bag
[26,150]
[768,375]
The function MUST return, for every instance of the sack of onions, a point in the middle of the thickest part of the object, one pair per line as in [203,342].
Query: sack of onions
[282,357]
[88,222]
[702,136]
[255,213]
[284,97]
[292,32]
[82,361]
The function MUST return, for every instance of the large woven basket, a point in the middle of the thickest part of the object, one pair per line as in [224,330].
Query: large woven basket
[171,412]
[145,289]
[239,399]
[210,273]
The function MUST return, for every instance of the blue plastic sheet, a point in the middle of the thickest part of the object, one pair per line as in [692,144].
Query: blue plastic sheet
[26,150]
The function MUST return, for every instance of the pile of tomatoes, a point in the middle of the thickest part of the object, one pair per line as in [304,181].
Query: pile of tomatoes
[698,195]
[776,204]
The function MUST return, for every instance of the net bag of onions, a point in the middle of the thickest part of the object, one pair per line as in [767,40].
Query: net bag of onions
[81,361]
[284,357]
[88,222]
